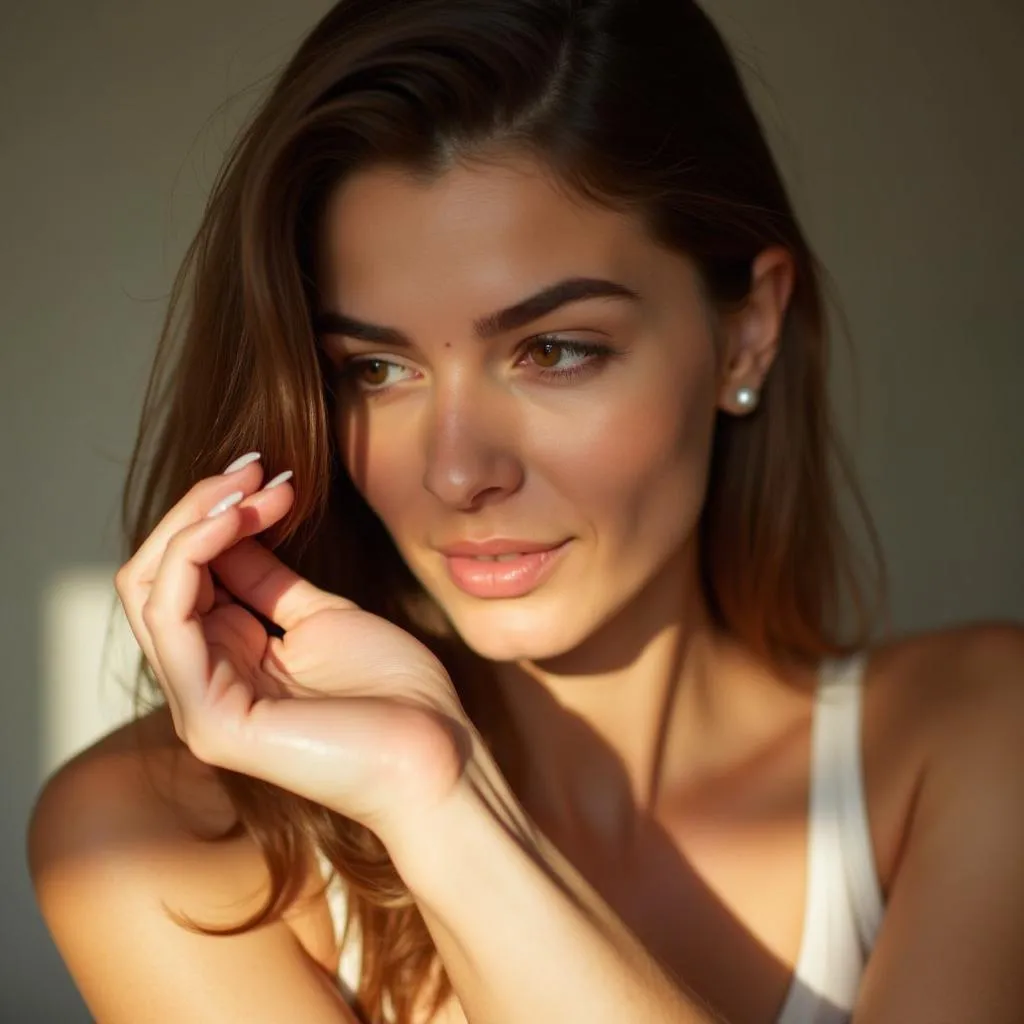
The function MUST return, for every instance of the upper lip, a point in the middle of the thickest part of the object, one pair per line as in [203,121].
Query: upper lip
[497,546]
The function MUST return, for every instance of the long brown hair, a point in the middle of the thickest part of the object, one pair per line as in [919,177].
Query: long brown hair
[634,104]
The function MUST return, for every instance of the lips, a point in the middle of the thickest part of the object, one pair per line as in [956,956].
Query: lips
[513,577]
[496,546]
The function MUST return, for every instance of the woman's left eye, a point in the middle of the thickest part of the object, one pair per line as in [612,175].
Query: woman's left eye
[591,356]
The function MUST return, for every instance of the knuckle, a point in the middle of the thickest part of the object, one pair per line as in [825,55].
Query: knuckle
[174,545]
[178,545]
[122,579]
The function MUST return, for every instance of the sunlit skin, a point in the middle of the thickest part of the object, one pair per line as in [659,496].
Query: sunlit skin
[456,438]
[668,766]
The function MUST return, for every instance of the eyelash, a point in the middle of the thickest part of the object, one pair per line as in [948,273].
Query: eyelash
[598,355]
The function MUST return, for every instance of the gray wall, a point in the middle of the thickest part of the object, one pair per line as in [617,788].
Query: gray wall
[898,128]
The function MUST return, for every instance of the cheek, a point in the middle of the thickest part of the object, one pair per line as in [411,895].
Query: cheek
[380,461]
[632,469]
[640,472]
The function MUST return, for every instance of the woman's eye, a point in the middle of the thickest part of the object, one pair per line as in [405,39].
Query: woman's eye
[552,358]
[372,375]
[552,351]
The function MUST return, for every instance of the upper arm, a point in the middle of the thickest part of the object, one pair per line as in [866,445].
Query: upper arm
[108,864]
[952,942]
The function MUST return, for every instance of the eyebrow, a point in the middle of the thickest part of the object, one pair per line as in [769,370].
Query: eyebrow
[574,289]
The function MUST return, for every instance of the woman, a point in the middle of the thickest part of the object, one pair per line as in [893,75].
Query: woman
[516,615]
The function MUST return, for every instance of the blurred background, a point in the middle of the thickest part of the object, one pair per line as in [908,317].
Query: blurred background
[898,128]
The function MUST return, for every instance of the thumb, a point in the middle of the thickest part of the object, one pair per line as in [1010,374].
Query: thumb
[258,577]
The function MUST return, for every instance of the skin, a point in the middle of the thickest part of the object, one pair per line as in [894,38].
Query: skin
[466,440]
[667,766]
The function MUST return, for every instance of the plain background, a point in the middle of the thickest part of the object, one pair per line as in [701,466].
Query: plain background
[898,128]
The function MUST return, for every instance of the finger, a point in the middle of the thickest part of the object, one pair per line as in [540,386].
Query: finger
[133,582]
[133,612]
[259,578]
[193,506]
[134,579]
[207,594]
[170,615]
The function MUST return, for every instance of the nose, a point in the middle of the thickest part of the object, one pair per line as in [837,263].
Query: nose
[472,456]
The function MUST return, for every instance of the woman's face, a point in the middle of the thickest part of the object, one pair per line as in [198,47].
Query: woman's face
[518,435]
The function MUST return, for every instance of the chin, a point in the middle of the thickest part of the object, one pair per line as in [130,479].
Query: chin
[503,633]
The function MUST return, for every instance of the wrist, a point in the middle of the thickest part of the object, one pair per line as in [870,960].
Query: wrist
[433,849]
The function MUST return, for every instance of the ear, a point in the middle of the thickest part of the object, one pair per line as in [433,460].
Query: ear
[751,332]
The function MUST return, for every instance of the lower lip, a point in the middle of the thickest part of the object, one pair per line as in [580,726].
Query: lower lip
[514,578]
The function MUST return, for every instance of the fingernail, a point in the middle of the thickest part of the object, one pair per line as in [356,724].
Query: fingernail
[279,479]
[242,462]
[225,503]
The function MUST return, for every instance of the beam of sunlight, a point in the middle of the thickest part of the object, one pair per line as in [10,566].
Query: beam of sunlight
[88,658]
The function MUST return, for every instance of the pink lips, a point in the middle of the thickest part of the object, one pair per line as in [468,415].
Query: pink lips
[514,577]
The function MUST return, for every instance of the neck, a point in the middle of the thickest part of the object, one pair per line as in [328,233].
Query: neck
[594,723]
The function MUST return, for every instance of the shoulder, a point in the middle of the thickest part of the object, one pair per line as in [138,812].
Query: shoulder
[947,678]
[122,857]
[138,797]
[968,689]
[944,760]
[943,726]
[137,765]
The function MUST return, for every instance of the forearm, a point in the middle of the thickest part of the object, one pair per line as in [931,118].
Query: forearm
[523,941]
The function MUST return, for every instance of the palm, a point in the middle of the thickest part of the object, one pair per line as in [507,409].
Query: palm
[238,648]
[347,709]
[379,658]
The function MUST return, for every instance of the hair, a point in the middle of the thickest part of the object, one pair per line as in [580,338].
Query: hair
[637,106]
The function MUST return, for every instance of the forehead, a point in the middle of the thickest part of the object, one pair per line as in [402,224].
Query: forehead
[477,226]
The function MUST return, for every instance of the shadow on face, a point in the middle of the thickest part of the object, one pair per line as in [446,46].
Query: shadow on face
[518,364]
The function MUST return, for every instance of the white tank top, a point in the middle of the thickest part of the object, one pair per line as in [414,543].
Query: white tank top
[843,904]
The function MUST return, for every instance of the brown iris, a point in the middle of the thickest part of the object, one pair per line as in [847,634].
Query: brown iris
[380,364]
[549,347]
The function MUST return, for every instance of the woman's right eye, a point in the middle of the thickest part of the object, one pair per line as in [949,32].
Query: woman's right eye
[368,375]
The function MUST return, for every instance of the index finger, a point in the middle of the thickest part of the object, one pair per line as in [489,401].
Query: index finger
[202,496]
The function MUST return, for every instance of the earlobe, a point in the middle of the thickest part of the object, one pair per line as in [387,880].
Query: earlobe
[753,332]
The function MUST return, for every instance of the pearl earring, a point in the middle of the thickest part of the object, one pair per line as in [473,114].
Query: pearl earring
[746,398]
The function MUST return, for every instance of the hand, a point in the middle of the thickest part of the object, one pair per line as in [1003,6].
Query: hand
[347,709]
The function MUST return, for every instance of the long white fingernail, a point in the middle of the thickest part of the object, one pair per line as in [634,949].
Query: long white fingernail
[225,503]
[242,462]
[279,479]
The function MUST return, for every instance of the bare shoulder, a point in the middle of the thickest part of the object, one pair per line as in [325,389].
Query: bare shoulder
[122,854]
[938,677]
[966,685]
[943,721]
[134,786]
[944,766]
[139,799]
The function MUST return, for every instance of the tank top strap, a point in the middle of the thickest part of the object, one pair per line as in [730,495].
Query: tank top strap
[841,911]
[840,710]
